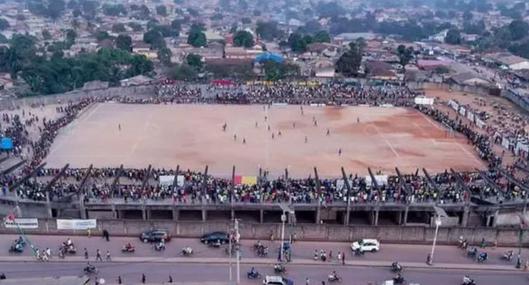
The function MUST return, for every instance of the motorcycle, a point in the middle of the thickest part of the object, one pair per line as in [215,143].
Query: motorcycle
[279,268]
[396,267]
[253,275]
[262,251]
[472,252]
[90,269]
[159,246]
[482,257]
[508,255]
[187,251]
[398,279]
[16,248]
[468,281]
[128,249]
[334,278]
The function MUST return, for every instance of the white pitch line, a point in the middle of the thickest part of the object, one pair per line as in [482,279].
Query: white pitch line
[386,141]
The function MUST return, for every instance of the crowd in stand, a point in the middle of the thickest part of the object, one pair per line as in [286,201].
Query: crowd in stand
[133,185]
[291,93]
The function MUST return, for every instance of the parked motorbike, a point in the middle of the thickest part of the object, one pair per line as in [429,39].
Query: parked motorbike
[159,246]
[90,269]
[334,278]
[473,252]
[396,267]
[253,275]
[187,251]
[279,268]
[398,279]
[508,255]
[128,249]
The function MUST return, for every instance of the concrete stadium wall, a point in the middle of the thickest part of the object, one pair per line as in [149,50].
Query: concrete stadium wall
[309,232]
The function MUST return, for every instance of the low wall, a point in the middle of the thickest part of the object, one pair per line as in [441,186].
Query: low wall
[308,232]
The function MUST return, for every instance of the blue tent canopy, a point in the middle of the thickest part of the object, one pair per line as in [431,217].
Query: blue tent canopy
[269,56]
[6,144]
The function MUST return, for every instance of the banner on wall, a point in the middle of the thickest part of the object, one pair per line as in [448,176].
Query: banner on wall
[167,180]
[76,224]
[22,223]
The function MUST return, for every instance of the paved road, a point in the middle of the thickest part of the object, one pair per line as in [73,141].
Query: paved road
[301,250]
[182,272]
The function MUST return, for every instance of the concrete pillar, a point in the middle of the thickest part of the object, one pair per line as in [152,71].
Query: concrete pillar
[114,212]
[399,217]
[48,205]
[148,212]
[375,220]
[466,213]
[232,214]
[176,214]
[82,208]
[204,215]
[261,216]
[405,219]
[143,213]
[318,215]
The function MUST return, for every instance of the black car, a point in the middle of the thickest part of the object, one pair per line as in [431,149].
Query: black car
[215,237]
[154,236]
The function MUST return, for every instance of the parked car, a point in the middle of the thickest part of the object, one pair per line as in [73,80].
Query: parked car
[277,280]
[364,245]
[154,236]
[215,237]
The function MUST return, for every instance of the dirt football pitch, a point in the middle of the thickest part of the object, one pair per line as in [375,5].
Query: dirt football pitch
[273,138]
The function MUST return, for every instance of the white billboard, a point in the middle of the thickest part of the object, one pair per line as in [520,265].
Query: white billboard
[21,223]
[76,224]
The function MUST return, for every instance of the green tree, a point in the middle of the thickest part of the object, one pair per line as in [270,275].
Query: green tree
[297,43]
[453,37]
[349,63]
[176,27]
[405,55]
[243,39]
[101,35]
[4,24]
[155,38]
[46,35]
[161,10]
[114,10]
[268,30]
[183,72]
[124,42]
[195,61]
[322,37]
[118,28]
[519,29]
[276,71]
[70,37]
[196,37]
[164,55]
[135,26]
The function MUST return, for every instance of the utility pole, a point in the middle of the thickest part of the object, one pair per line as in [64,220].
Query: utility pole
[237,247]
[230,245]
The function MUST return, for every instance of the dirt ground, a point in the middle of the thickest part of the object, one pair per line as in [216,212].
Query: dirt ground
[192,136]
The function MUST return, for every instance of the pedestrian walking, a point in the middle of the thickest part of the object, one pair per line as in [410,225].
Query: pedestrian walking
[339,152]
[306,139]
[330,255]
[98,255]
[106,235]
[170,279]
[307,281]
[108,256]
[85,253]
[256,124]
[243,140]
[234,137]
[143,279]
[119,280]
[279,134]
[119,127]
[328,132]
